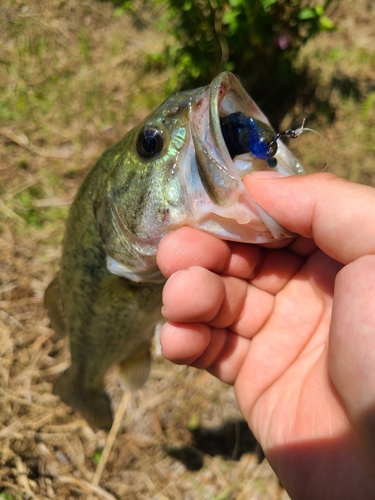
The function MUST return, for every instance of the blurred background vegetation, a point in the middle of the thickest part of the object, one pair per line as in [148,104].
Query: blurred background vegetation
[258,40]
[74,76]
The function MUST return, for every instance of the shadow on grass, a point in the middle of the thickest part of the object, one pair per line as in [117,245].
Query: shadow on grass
[306,92]
[230,441]
[300,92]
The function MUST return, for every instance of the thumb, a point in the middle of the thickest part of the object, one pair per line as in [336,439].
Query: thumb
[337,214]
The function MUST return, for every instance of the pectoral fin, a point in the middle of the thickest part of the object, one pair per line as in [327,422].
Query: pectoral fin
[53,304]
[134,372]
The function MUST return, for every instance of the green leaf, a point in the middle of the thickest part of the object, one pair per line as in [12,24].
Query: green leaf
[229,17]
[193,423]
[118,12]
[229,66]
[236,3]
[268,3]
[325,23]
[307,14]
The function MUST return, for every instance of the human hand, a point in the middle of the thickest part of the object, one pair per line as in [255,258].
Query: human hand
[292,328]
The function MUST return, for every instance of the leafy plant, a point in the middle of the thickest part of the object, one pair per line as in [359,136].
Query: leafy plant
[257,39]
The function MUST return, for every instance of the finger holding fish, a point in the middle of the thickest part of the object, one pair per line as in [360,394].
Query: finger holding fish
[321,207]
[188,247]
[217,350]
[197,295]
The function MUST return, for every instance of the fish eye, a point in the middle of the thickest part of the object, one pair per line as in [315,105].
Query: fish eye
[149,143]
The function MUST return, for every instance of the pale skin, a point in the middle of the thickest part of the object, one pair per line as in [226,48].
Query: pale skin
[292,328]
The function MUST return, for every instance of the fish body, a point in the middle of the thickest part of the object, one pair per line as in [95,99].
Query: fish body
[172,170]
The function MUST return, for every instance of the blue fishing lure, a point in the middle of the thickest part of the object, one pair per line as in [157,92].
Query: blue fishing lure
[243,134]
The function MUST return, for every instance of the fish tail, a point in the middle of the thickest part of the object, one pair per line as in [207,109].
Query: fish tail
[93,404]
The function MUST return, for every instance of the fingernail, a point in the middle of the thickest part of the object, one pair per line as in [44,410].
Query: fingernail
[262,174]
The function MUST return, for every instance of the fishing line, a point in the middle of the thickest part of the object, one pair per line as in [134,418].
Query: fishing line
[295,133]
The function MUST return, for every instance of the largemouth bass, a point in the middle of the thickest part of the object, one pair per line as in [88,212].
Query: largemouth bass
[183,166]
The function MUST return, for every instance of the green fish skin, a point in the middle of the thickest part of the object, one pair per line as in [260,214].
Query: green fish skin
[172,170]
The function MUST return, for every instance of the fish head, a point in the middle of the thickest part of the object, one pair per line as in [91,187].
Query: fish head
[174,170]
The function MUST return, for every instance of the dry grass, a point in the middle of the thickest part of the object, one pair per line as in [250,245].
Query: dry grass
[70,85]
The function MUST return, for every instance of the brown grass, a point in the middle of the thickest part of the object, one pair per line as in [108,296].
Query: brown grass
[71,83]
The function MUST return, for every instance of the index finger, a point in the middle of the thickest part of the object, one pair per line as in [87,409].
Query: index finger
[187,247]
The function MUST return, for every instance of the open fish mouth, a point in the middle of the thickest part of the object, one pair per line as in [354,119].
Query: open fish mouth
[228,98]
[221,172]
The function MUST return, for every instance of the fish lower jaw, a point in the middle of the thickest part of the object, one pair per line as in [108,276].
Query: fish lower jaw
[240,209]
[238,212]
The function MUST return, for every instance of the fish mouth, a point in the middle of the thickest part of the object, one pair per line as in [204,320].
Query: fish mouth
[221,175]
[227,96]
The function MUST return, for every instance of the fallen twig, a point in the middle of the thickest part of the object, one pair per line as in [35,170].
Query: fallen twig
[111,437]
[86,486]
[23,141]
